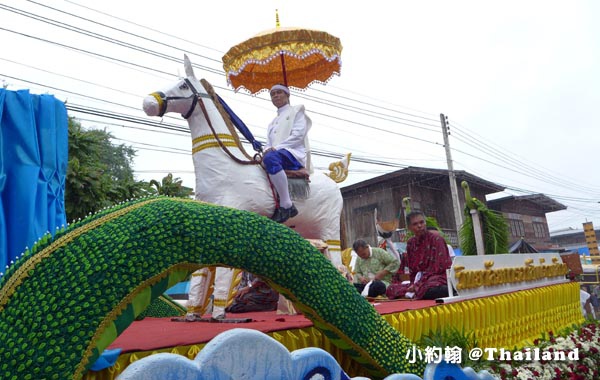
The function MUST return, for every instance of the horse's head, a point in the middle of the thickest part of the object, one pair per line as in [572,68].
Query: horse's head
[182,97]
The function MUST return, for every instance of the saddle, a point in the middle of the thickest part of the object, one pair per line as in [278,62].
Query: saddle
[300,173]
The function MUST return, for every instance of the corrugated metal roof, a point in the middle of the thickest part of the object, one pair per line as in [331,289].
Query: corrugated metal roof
[412,170]
[542,200]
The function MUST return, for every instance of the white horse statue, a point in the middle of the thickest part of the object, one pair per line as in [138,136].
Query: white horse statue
[226,175]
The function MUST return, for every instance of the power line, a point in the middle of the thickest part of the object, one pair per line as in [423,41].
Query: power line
[144,27]
[518,169]
[316,112]
[380,115]
[123,117]
[124,62]
[61,75]
[521,162]
[171,58]
[315,151]
[217,50]
[373,114]
[65,91]
[121,30]
[113,115]
[95,36]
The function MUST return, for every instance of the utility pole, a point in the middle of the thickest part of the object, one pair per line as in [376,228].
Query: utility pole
[451,175]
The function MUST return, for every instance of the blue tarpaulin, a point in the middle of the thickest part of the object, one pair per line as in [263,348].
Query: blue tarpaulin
[179,288]
[33,167]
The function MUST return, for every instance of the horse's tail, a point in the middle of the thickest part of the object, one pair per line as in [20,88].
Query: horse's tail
[338,171]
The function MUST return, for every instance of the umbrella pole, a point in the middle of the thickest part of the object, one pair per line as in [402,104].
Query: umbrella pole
[283,68]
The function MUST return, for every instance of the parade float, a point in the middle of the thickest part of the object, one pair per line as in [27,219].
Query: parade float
[77,294]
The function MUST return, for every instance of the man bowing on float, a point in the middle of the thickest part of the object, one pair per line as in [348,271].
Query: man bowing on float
[286,148]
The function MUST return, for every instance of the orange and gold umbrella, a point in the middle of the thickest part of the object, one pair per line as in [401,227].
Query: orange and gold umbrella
[292,56]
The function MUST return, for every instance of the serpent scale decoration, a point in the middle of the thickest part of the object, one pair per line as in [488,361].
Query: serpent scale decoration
[65,300]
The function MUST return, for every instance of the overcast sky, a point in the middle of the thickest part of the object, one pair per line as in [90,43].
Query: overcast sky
[518,80]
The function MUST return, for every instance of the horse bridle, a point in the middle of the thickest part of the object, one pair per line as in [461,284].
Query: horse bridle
[163,100]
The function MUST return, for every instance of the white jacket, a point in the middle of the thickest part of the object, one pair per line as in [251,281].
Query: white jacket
[289,131]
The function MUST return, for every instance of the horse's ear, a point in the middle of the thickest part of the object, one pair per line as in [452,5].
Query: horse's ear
[189,70]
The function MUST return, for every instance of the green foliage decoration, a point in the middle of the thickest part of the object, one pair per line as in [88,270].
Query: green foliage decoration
[172,187]
[452,337]
[162,307]
[64,301]
[493,225]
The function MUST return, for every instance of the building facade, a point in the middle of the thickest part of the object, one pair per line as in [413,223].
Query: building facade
[428,190]
[526,218]
[571,239]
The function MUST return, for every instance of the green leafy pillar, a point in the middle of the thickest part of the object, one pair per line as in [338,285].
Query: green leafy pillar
[494,229]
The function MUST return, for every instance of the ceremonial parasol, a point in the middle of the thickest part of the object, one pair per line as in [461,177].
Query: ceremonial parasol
[295,57]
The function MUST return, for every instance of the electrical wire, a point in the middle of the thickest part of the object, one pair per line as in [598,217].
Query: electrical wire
[171,58]
[521,163]
[508,162]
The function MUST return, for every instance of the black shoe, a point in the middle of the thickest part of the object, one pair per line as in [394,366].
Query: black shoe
[276,215]
[285,214]
[293,211]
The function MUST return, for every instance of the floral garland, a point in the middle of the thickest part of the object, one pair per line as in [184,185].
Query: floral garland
[585,338]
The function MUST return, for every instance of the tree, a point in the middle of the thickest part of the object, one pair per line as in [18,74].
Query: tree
[99,174]
[172,187]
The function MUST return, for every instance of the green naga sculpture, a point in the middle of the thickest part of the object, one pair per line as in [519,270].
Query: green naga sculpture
[493,227]
[64,301]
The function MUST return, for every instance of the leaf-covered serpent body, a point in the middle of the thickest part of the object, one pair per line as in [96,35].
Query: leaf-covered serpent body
[68,298]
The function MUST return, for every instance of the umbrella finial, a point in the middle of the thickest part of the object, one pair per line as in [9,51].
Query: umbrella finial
[277,25]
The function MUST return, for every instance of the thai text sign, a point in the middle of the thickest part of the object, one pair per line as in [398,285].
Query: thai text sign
[494,274]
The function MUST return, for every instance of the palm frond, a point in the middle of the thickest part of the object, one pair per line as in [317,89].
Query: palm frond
[493,225]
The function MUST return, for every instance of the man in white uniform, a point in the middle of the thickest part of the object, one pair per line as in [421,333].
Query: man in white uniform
[286,148]
[586,303]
